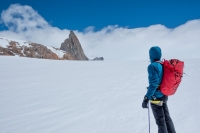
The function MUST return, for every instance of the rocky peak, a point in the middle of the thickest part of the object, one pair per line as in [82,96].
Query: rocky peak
[73,47]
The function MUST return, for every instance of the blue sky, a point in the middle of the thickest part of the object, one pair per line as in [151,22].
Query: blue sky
[80,14]
[115,30]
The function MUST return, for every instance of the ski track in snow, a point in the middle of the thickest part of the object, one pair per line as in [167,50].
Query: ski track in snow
[48,96]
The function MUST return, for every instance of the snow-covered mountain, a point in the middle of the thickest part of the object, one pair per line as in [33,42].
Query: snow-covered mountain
[23,48]
[70,49]
[50,96]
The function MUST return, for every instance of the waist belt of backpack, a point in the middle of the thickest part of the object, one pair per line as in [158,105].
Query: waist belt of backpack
[157,102]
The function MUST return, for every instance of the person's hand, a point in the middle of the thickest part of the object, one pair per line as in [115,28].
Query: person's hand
[145,102]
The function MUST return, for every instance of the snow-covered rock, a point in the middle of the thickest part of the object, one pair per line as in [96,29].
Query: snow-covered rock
[98,59]
[13,47]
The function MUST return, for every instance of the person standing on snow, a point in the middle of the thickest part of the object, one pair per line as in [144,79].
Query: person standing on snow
[158,100]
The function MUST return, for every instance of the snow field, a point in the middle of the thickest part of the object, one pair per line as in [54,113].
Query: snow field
[51,96]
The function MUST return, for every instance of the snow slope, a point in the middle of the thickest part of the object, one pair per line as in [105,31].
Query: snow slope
[51,96]
[4,42]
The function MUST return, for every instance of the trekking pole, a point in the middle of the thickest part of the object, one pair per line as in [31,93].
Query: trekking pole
[149,115]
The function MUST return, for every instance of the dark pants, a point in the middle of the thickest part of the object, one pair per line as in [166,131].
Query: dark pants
[162,117]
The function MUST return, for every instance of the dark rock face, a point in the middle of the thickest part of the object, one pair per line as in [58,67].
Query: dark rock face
[98,59]
[73,47]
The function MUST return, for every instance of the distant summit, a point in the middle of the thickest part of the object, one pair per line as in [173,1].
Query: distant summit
[73,47]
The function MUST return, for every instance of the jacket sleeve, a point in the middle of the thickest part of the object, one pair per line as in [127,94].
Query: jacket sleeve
[153,81]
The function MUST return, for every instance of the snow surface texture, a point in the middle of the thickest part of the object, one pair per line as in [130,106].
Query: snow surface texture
[51,96]
[4,42]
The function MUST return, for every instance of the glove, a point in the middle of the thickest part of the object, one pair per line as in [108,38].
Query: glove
[145,102]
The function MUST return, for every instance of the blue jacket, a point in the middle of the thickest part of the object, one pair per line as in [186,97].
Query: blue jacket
[155,73]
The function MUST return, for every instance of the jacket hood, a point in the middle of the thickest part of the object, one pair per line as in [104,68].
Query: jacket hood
[155,53]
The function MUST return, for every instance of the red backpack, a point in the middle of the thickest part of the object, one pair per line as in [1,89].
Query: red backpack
[172,75]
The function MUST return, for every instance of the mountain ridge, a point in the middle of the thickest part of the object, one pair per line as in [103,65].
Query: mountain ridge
[68,51]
